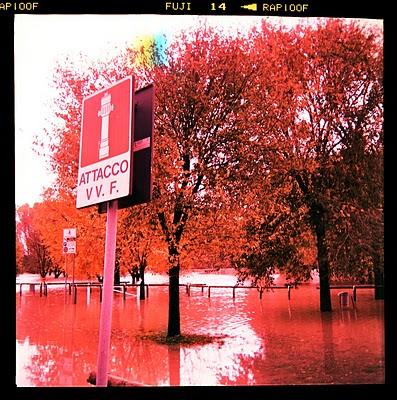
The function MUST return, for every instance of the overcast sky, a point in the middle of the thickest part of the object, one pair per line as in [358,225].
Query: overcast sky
[41,40]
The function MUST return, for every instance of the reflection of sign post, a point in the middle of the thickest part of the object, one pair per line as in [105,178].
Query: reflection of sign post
[66,375]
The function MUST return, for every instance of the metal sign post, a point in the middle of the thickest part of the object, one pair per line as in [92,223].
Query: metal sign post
[73,269]
[111,163]
[66,273]
[105,322]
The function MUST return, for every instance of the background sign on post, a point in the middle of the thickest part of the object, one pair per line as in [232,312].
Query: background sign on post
[105,165]
[142,150]
[69,241]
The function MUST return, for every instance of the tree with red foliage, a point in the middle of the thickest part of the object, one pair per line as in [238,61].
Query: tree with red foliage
[317,132]
[199,111]
[283,127]
[138,242]
[34,242]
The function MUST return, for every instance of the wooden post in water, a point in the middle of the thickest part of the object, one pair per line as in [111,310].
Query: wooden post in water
[88,294]
[32,287]
[66,273]
[75,294]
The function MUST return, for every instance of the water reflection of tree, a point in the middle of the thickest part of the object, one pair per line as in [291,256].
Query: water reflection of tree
[174,365]
[43,367]
[52,366]
[245,367]
[328,344]
[138,360]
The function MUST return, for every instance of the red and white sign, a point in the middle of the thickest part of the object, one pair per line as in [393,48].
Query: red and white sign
[69,241]
[105,168]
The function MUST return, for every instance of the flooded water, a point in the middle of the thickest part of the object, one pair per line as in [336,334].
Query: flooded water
[266,341]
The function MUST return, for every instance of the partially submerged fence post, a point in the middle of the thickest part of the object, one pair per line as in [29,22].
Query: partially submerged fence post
[354,293]
[74,293]
[74,286]
[88,294]
[343,299]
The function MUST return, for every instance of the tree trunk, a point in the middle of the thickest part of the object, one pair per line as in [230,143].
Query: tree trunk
[174,325]
[117,275]
[174,322]
[318,217]
[142,284]
[57,273]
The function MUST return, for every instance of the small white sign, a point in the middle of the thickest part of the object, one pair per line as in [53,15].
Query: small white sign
[69,241]
[69,233]
[69,247]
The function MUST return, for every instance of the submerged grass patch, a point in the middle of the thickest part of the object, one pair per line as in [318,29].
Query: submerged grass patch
[186,339]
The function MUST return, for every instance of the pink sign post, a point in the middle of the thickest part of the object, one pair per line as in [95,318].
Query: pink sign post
[105,175]
[105,322]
